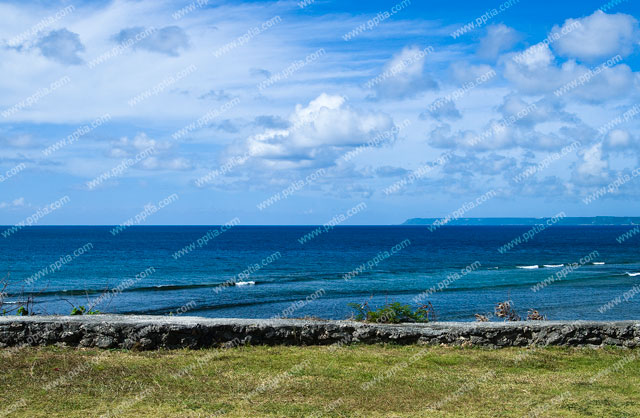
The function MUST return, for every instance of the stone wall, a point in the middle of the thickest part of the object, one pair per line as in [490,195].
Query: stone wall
[159,332]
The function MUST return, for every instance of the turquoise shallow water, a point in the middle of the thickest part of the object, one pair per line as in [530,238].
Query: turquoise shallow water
[270,273]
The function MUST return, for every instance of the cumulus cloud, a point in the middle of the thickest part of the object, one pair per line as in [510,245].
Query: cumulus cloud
[404,76]
[440,111]
[161,159]
[498,38]
[537,56]
[535,71]
[318,133]
[168,40]
[493,135]
[464,72]
[593,164]
[125,147]
[472,165]
[599,36]
[62,46]
[542,111]
[516,128]
[611,83]
[618,139]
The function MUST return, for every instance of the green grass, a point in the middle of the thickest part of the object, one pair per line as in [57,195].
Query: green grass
[301,381]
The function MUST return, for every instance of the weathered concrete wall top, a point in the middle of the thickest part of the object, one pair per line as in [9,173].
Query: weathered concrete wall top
[155,332]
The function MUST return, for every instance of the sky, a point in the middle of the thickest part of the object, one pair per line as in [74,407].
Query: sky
[311,112]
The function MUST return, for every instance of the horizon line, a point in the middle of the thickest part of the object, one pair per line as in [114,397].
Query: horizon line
[315,225]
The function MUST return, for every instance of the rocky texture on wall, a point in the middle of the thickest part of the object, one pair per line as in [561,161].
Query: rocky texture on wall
[162,332]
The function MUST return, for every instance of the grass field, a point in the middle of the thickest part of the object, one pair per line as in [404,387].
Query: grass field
[369,381]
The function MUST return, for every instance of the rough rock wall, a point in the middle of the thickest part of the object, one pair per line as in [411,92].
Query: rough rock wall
[153,332]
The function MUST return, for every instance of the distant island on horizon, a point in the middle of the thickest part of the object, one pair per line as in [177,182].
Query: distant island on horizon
[591,220]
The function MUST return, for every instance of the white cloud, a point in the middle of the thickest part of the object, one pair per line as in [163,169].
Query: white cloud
[319,133]
[535,72]
[443,111]
[612,83]
[62,46]
[537,56]
[541,111]
[593,164]
[470,164]
[169,40]
[541,125]
[163,158]
[499,38]
[487,137]
[618,139]
[406,75]
[464,72]
[16,203]
[125,147]
[599,36]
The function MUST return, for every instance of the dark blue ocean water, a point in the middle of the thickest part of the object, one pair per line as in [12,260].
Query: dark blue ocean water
[318,266]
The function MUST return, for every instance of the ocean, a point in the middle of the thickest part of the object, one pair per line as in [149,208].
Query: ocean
[564,272]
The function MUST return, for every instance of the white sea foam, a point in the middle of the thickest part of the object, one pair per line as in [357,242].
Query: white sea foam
[553,265]
[245,283]
[598,263]
[528,267]
[633,274]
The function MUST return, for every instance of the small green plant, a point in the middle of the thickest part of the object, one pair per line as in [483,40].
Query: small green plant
[361,310]
[78,310]
[393,313]
[81,310]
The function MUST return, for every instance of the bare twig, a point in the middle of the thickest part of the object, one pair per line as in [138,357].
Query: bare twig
[505,310]
[534,315]
[481,318]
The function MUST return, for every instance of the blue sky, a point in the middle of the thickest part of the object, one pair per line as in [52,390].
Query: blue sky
[292,113]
